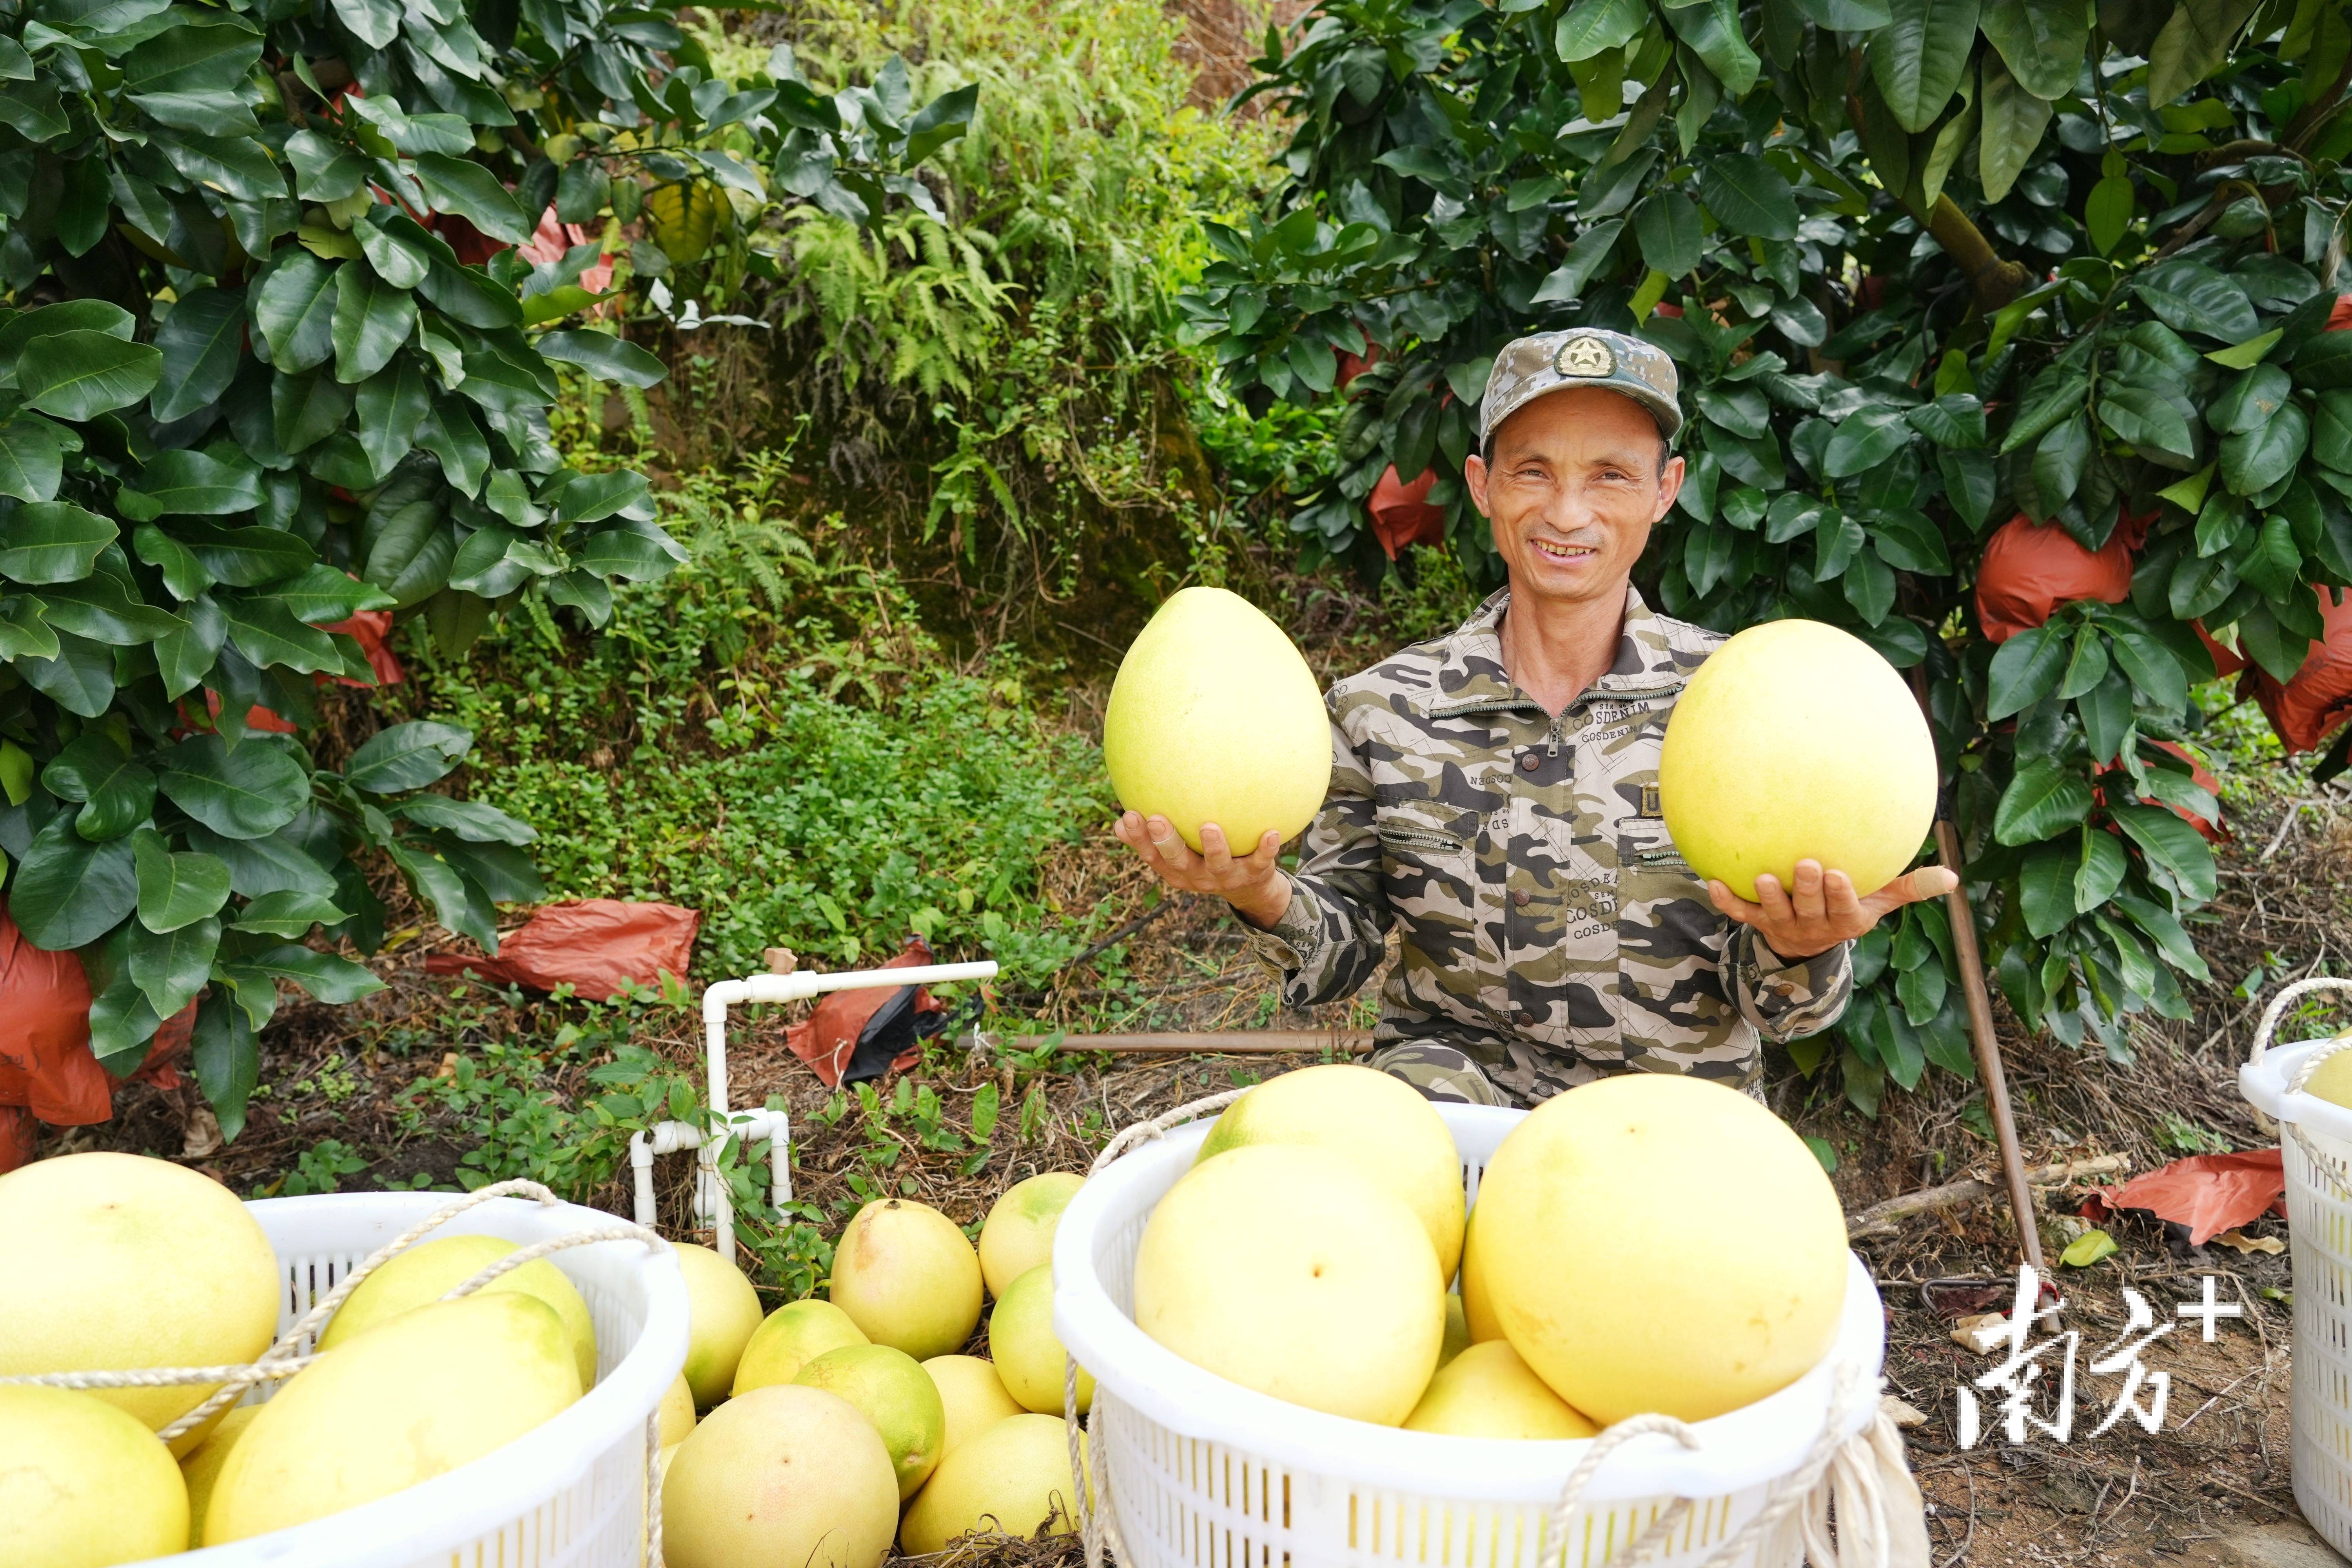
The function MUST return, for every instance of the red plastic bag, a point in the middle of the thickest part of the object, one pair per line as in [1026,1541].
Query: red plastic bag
[854,1036]
[16,1130]
[2029,569]
[45,1061]
[1401,515]
[2214,831]
[593,945]
[2305,708]
[2208,1192]
[369,628]
[2340,317]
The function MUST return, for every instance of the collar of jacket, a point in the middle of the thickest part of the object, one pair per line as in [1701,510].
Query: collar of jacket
[1472,678]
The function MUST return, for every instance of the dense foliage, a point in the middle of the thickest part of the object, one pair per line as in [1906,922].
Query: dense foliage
[1936,262]
[273,362]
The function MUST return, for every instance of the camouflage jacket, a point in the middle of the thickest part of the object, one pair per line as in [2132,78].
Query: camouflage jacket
[1550,928]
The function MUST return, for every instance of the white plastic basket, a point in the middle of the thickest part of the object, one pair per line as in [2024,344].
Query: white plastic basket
[1202,1473]
[569,1493]
[2313,1137]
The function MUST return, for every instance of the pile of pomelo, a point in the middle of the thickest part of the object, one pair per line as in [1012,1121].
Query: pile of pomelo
[1645,1243]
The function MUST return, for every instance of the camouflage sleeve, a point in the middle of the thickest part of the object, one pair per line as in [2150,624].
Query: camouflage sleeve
[1335,933]
[1786,999]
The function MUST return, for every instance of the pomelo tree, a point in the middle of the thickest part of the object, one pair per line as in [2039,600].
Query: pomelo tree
[1925,266]
[270,361]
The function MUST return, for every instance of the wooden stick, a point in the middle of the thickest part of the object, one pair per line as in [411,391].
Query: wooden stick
[1201,1043]
[1883,1216]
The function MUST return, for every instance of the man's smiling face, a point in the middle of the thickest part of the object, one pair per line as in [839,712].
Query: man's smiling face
[1575,486]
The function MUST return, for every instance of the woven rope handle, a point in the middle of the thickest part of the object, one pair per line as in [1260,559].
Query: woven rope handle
[2326,1165]
[2279,1004]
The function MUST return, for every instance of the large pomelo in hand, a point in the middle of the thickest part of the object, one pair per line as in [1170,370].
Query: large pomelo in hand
[1283,1270]
[1380,1124]
[1796,741]
[1660,1243]
[782,1477]
[908,1278]
[110,1261]
[409,1400]
[83,1484]
[1018,1235]
[1215,718]
[430,1270]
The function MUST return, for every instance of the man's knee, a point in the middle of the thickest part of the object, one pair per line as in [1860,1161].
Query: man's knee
[1440,1072]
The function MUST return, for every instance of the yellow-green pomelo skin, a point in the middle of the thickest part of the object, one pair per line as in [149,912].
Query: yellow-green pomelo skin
[1382,1124]
[676,1412]
[722,1310]
[1655,1242]
[1796,741]
[1477,1311]
[83,1484]
[425,1273]
[891,1389]
[2332,1079]
[792,1336]
[972,1393]
[1488,1392]
[1457,1332]
[200,1470]
[1215,718]
[1014,1477]
[1029,1357]
[1281,1268]
[409,1400]
[782,1477]
[1018,1234]
[908,1278]
[110,1262]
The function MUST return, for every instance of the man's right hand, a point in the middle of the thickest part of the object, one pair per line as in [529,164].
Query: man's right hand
[1252,883]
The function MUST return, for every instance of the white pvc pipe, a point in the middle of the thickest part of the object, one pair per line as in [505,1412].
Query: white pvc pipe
[798,987]
[710,1200]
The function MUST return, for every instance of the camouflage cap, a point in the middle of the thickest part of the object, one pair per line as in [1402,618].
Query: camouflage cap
[1529,367]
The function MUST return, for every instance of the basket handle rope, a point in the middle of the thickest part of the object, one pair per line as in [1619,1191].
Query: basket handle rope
[2326,1165]
[281,1360]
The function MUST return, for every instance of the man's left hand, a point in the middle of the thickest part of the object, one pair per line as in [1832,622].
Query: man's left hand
[1822,909]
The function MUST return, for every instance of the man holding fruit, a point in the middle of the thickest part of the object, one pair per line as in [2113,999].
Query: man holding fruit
[1493,795]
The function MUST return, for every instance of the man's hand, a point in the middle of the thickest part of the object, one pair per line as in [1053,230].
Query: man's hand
[1252,883]
[1823,911]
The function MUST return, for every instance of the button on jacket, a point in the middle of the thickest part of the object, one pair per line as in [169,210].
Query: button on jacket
[1549,928]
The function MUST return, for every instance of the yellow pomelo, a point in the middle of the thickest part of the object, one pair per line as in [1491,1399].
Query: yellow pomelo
[908,1278]
[1013,1478]
[890,1389]
[782,1477]
[1380,1124]
[1457,1332]
[82,1484]
[793,1334]
[200,1470]
[1661,1243]
[972,1393]
[2331,1080]
[1029,1357]
[1488,1392]
[676,1412]
[1283,1270]
[1477,1312]
[1797,741]
[110,1261]
[410,1399]
[1018,1234]
[722,1309]
[425,1273]
[1215,718]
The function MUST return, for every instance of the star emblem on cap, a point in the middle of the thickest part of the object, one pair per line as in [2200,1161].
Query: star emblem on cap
[1585,357]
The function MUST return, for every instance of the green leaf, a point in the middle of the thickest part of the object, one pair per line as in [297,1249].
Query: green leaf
[1748,196]
[2147,419]
[2107,212]
[372,318]
[2041,43]
[324,171]
[2258,459]
[201,341]
[2250,400]
[2086,664]
[2172,843]
[175,890]
[237,166]
[2192,298]
[81,375]
[1668,227]
[287,914]
[79,676]
[170,967]
[2192,46]
[2061,457]
[322,975]
[2103,869]
[2088,1248]
[401,252]
[2043,796]
[640,553]
[407,757]
[1589,26]
[393,404]
[31,461]
[267,632]
[227,1058]
[190,484]
[115,793]
[52,542]
[1579,263]
[2151,667]
[465,187]
[1711,30]
[2242,356]
[322,594]
[295,308]
[66,891]
[2165,930]
[246,791]
[469,819]
[1918,58]
[2045,887]
[1865,438]
[603,357]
